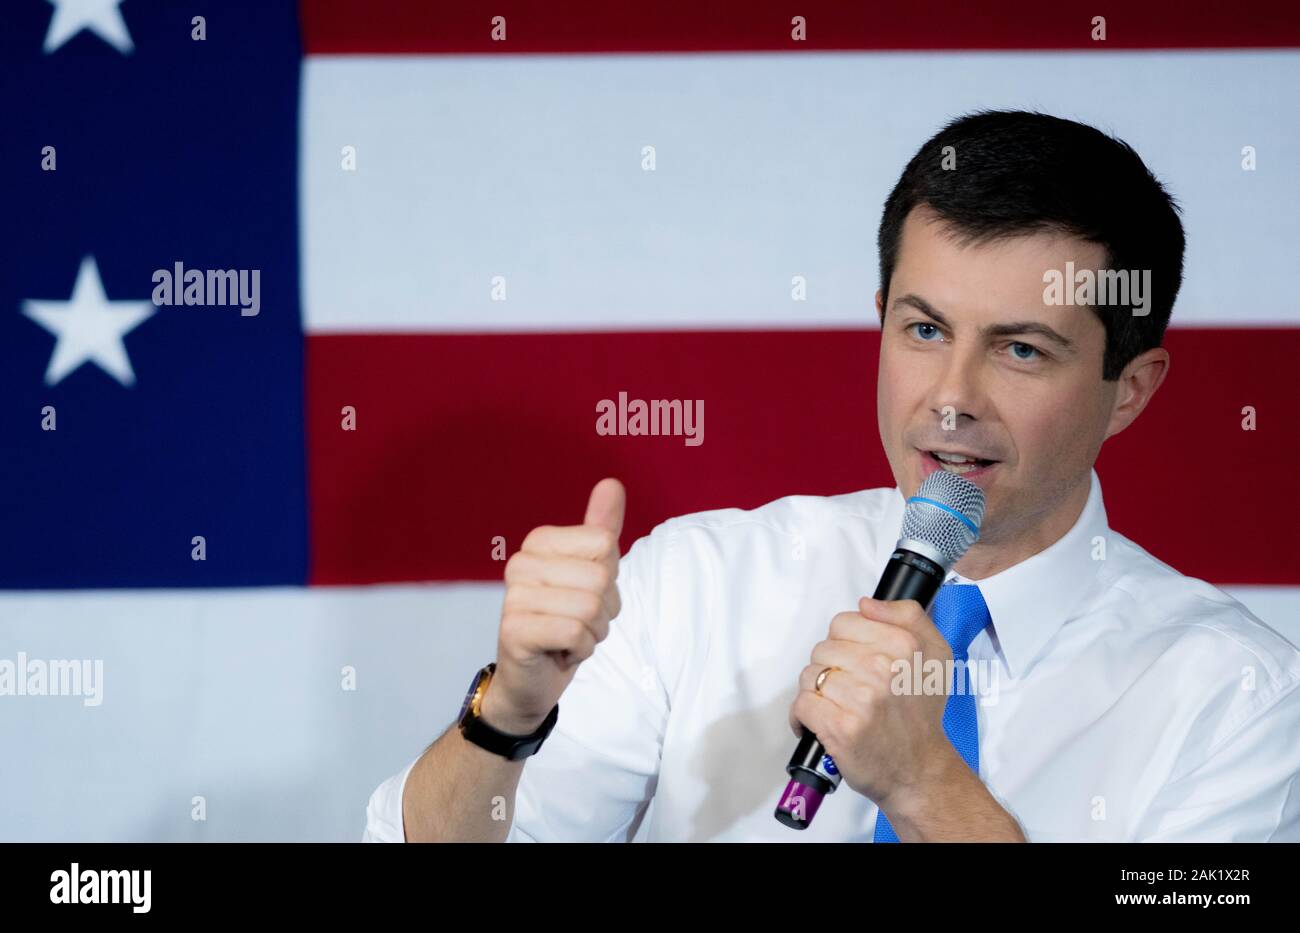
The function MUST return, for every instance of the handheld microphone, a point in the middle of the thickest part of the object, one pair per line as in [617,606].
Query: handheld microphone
[940,523]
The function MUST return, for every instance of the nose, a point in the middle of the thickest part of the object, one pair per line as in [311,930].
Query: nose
[958,389]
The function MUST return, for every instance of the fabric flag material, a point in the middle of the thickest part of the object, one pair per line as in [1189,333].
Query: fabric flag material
[466,243]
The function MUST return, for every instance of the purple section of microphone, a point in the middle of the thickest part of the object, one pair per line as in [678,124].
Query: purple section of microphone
[799,804]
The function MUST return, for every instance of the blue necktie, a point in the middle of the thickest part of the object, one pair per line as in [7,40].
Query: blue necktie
[959,613]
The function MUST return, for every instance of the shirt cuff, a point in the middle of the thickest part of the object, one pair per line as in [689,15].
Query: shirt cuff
[384,811]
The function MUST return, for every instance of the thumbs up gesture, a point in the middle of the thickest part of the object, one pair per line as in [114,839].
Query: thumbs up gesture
[560,599]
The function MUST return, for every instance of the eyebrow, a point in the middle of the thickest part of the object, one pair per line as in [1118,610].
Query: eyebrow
[1009,329]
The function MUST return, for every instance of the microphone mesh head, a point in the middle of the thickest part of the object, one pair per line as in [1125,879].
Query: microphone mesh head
[925,521]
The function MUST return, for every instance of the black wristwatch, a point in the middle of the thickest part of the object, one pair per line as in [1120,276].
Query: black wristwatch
[513,747]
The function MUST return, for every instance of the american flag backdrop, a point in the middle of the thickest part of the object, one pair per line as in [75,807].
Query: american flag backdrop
[279,520]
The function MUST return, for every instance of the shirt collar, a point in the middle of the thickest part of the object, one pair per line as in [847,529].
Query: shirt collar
[1030,601]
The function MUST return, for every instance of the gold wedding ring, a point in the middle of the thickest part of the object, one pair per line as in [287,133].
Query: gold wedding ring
[821,678]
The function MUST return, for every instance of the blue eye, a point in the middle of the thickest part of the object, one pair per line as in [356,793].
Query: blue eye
[1032,349]
[923,324]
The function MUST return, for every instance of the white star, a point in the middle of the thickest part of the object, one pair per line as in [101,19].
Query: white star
[89,327]
[102,17]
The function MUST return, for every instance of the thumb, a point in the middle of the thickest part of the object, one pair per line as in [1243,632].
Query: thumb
[605,507]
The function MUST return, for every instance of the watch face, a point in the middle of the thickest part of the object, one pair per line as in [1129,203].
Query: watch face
[473,686]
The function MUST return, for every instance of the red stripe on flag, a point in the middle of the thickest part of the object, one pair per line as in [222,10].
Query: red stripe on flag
[417,26]
[462,438]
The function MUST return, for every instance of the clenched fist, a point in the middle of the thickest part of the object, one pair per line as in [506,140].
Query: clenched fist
[560,598]
[886,741]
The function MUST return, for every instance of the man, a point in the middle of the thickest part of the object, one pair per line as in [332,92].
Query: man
[1128,702]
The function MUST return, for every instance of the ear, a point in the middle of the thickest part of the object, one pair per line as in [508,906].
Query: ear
[880,306]
[1137,385]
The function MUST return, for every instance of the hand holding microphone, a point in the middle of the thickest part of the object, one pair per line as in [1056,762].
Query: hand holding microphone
[882,743]
[884,740]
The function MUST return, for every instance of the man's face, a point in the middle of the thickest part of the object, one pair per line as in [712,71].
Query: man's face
[1035,405]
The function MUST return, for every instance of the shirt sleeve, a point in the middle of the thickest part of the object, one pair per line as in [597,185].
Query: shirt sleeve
[1246,789]
[596,772]
[384,818]
[384,811]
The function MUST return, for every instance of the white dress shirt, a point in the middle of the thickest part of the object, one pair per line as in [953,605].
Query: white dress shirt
[1132,703]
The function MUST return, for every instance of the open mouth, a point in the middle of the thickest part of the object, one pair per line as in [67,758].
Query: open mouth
[961,464]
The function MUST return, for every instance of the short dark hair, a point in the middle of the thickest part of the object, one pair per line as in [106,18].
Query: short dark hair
[1018,172]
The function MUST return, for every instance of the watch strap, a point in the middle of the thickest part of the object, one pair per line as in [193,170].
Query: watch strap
[512,747]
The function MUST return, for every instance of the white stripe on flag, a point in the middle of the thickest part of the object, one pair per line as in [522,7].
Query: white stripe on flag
[767,166]
[239,696]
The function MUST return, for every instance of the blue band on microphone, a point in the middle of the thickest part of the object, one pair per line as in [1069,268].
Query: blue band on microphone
[951,511]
